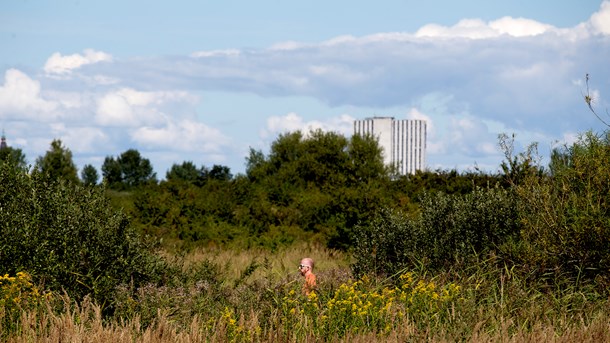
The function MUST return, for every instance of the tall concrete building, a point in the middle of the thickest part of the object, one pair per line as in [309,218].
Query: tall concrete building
[403,141]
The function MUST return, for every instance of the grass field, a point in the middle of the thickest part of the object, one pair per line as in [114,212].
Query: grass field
[219,295]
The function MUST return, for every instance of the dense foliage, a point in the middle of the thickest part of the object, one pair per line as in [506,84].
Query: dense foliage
[13,156]
[314,187]
[450,230]
[566,215]
[128,170]
[553,226]
[89,175]
[57,164]
[68,237]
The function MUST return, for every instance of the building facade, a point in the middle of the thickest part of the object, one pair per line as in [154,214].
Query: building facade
[403,141]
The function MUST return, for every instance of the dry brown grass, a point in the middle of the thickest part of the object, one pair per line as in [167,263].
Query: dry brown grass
[521,316]
[86,325]
[274,266]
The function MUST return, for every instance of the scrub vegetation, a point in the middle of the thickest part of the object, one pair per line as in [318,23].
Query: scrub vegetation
[206,256]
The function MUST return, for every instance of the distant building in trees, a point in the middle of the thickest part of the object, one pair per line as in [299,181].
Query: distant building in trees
[403,141]
[3,144]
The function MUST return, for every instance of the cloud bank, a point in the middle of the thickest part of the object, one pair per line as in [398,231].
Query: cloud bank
[471,81]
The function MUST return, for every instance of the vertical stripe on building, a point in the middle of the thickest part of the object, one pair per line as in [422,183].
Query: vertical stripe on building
[403,142]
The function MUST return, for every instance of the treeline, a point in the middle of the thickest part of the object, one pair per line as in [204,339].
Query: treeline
[314,186]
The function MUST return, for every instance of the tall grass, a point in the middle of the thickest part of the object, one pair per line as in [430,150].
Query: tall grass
[254,296]
[276,265]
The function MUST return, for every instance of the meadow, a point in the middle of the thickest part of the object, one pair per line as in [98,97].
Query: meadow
[255,296]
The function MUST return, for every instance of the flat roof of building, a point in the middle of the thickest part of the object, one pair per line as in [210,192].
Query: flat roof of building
[379,117]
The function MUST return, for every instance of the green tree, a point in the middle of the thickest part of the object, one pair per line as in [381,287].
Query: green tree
[111,171]
[560,160]
[218,172]
[365,159]
[89,175]
[13,157]
[135,169]
[316,186]
[187,171]
[386,246]
[128,170]
[322,183]
[57,163]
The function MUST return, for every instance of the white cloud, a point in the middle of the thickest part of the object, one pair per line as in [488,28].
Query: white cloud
[62,65]
[115,110]
[478,29]
[137,98]
[289,45]
[72,100]
[216,53]
[186,135]
[517,73]
[435,143]
[130,108]
[519,27]
[78,139]
[103,80]
[291,122]
[465,28]
[20,98]
[569,138]
[600,20]
[340,40]
[343,124]
[281,124]
[338,74]
[471,136]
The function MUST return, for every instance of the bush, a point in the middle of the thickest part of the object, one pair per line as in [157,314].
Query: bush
[458,228]
[451,230]
[385,246]
[567,213]
[68,238]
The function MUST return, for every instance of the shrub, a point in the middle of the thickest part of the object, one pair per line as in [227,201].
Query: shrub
[450,230]
[457,228]
[566,214]
[386,245]
[68,237]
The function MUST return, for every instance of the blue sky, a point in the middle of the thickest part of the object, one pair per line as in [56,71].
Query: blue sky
[205,81]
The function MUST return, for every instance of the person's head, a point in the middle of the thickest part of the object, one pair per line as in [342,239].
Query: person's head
[306,265]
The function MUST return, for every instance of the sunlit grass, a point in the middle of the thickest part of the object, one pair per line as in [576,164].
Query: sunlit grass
[274,266]
[480,305]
